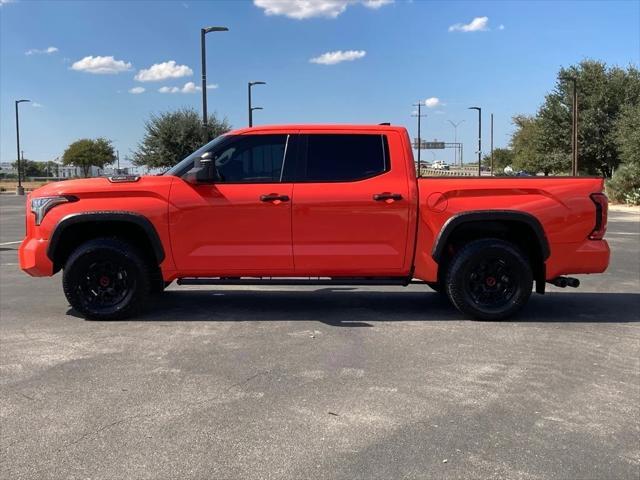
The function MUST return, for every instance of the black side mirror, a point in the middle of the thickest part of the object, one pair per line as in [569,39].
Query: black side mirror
[204,170]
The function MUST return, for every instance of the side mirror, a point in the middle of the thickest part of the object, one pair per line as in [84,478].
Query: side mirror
[203,171]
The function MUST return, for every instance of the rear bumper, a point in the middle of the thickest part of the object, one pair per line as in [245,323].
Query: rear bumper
[33,258]
[590,256]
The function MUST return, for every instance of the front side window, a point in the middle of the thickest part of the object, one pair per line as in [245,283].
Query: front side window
[251,159]
[344,157]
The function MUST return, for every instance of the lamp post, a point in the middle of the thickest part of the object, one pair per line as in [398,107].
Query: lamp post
[455,139]
[203,32]
[574,126]
[19,188]
[419,115]
[251,108]
[479,138]
[492,144]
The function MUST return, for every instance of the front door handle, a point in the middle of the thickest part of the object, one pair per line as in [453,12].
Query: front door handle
[380,197]
[274,196]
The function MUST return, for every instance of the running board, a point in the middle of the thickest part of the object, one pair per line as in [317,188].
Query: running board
[402,281]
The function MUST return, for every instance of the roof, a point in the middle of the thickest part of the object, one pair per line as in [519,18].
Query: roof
[312,126]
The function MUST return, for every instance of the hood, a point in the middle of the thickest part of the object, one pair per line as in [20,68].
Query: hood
[102,186]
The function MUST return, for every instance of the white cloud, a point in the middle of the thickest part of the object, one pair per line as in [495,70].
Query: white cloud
[36,105]
[331,58]
[376,4]
[137,90]
[501,27]
[101,65]
[39,51]
[163,71]
[303,9]
[478,24]
[2,2]
[188,87]
[433,102]
[168,89]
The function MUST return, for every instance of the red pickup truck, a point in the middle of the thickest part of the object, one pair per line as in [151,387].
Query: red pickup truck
[301,204]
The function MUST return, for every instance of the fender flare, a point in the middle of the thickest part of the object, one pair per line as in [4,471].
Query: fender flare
[107,216]
[487,216]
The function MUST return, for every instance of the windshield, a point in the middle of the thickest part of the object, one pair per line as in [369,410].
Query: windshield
[185,165]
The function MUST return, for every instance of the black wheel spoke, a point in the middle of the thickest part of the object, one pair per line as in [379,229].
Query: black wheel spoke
[491,283]
[105,284]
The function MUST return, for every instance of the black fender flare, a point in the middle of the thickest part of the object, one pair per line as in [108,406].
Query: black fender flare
[107,216]
[486,216]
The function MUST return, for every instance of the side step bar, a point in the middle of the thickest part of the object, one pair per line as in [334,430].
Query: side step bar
[401,281]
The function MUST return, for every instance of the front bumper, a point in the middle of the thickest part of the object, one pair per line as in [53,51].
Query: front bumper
[33,258]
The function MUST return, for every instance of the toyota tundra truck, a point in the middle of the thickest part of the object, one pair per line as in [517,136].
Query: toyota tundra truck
[314,205]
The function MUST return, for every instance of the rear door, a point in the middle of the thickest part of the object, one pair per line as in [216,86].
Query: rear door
[351,205]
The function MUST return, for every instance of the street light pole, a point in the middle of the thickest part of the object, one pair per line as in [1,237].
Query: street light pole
[203,52]
[419,115]
[455,140]
[19,188]
[479,138]
[492,144]
[251,108]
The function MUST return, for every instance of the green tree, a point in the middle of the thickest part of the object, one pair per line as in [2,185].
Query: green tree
[628,134]
[171,136]
[29,168]
[86,153]
[528,145]
[502,157]
[603,93]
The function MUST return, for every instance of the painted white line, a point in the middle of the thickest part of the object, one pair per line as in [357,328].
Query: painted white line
[10,243]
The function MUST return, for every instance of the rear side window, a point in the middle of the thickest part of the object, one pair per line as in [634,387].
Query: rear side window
[344,157]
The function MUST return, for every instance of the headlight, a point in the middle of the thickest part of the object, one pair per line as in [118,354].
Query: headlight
[40,206]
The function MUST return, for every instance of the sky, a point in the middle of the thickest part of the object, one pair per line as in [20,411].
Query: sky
[101,68]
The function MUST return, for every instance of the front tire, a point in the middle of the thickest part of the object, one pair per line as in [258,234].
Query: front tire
[489,279]
[106,279]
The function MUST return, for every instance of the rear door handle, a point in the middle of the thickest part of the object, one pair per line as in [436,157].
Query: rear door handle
[380,197]
[274,196]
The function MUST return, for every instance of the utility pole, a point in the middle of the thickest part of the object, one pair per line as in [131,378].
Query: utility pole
[574,125]
[118,159]
[419,115]
[203,53]
[479,138]
[492,144]
[455,140]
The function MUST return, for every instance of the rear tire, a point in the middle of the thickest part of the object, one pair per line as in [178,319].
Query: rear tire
[489,279]
[106,279]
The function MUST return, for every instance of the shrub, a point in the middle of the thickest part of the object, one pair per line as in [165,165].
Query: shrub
[624,183]
[633,197]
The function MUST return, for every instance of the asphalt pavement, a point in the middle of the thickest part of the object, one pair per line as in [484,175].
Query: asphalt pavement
[315,383]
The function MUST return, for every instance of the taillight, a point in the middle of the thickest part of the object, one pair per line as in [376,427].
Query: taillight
[602,208]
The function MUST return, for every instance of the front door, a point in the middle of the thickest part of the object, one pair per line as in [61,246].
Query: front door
[241,224]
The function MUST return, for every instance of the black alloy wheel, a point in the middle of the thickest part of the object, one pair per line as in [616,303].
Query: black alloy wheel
[489,279]
[106,279]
